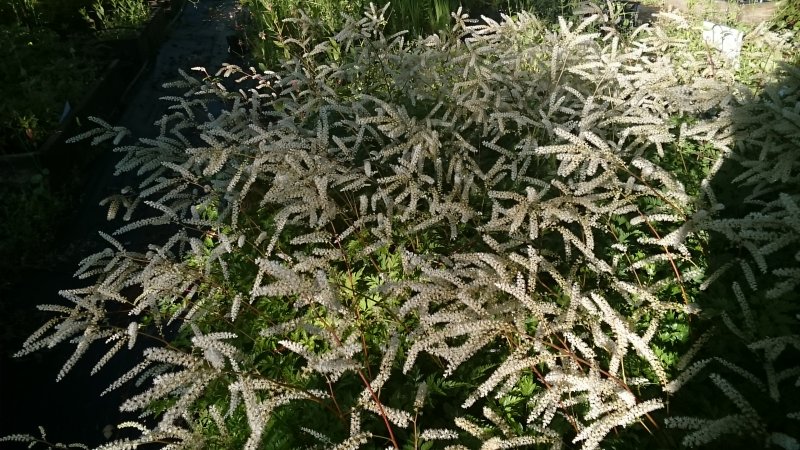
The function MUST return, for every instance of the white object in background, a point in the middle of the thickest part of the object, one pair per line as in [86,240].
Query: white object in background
[727,40]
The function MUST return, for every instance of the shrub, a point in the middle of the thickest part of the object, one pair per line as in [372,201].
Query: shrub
[60,15]
[496,238]
[787,18]
[116,18]
[41,72]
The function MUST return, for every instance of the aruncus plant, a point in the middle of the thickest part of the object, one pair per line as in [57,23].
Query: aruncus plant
[463,241]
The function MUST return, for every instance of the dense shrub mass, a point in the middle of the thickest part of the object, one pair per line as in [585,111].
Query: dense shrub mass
[505,236]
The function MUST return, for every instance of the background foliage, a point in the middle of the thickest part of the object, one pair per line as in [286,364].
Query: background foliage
[265,30]
[41,72]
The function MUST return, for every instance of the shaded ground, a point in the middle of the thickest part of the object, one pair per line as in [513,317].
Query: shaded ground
[71,410]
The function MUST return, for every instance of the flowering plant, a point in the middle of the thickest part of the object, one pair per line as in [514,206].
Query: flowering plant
[489,239]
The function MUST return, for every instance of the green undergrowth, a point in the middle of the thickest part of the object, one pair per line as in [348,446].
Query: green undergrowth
[43,75]
[265,29]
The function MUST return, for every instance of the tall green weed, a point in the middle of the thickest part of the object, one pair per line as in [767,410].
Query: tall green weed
[266,29]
